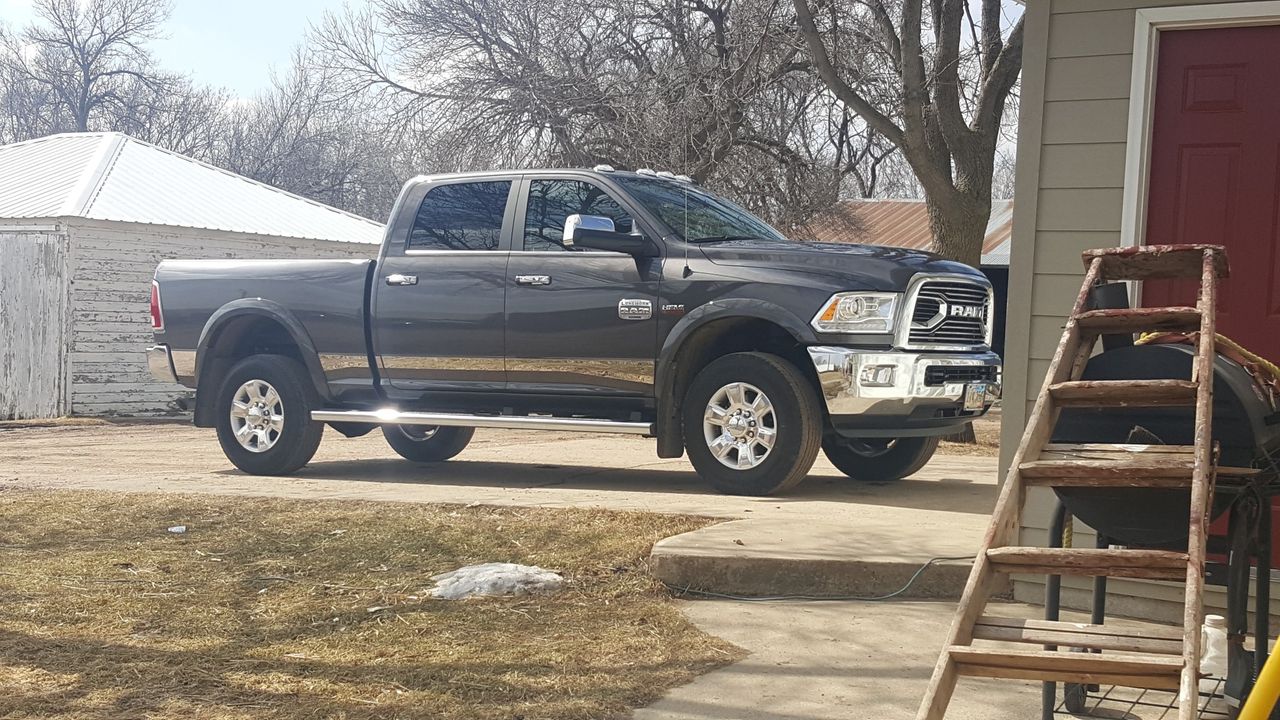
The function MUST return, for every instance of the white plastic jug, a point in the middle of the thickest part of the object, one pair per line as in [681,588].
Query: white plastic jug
[1213,660]
[1213,646]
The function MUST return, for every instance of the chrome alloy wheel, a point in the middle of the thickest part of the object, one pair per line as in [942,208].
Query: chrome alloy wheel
[257,416]
[740,426]
[419,433]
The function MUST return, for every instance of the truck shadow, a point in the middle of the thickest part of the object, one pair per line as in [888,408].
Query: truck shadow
[944,490]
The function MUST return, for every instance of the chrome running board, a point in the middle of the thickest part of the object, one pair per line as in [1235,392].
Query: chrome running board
[390,416]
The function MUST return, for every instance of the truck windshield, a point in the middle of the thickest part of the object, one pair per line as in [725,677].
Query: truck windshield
[695,214]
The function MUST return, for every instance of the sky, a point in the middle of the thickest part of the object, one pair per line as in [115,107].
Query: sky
[235,44]
[232,44]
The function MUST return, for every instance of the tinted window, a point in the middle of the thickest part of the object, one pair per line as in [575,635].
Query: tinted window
[463,216]
[551,201]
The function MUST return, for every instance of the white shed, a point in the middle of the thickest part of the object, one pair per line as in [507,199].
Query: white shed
[84,220]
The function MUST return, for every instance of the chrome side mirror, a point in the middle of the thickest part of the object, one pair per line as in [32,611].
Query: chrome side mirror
[575,223]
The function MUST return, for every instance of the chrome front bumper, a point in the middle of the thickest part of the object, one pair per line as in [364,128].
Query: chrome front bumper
[160,361]
[892,384]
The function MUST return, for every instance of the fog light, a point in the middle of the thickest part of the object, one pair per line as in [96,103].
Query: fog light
[877,375]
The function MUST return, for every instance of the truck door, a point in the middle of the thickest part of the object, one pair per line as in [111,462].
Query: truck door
[438,294]
[578,320]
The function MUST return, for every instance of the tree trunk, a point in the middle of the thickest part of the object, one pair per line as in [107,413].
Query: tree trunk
[959,225]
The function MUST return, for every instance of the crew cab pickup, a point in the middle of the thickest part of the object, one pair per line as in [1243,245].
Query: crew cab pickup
[585,301]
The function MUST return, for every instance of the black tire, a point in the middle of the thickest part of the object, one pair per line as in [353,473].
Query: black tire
[295,442]
[423,443]
[795,418]
[879,459]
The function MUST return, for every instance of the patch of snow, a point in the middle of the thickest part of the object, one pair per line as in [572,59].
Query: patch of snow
[495,579]
[178,529]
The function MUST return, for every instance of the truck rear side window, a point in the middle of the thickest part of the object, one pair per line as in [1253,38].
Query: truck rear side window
[551,201]
[461,216]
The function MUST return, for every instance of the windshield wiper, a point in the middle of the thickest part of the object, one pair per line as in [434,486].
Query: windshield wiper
[725,238]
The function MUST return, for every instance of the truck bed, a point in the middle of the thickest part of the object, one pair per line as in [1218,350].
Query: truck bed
[327,297]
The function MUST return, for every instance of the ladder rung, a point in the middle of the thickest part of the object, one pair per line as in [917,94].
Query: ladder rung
[1156,261]
[1113,465]
[1132,320]
[1156,639]
[1090,562]
[1156,672]
[1124,393]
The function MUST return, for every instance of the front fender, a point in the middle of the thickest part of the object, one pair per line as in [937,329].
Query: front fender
[668,415]
[723,310]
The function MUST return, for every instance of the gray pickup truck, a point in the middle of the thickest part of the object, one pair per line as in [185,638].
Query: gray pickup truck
[586,301]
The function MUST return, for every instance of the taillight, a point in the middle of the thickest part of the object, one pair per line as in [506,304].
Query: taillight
[157,317]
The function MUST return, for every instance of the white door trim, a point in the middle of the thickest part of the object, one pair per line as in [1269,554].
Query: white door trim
[1146,44]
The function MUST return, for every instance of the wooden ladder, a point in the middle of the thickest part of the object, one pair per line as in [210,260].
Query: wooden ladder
[1166,659]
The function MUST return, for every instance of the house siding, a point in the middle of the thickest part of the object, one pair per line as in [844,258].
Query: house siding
[1073,128]
[34,323]
[112,265]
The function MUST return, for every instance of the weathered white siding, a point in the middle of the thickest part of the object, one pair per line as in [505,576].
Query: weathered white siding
[112,266]
[1072,136]
[33,324]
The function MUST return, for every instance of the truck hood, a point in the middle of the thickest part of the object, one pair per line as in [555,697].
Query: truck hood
[859,267]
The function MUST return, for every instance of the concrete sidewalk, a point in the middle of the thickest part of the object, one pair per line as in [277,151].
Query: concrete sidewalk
[835,661]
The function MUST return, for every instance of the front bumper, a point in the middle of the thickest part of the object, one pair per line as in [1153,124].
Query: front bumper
[878,393]
[160,361]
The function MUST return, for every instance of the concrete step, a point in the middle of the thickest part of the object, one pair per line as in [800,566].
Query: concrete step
[873,557]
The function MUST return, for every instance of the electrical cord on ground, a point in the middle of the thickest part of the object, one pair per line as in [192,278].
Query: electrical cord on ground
[821,598]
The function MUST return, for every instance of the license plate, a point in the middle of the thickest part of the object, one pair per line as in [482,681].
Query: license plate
[975,396]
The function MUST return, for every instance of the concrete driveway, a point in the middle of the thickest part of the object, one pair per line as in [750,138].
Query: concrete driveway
[503,467]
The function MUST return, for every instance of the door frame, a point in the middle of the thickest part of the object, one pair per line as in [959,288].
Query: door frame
[1148,25]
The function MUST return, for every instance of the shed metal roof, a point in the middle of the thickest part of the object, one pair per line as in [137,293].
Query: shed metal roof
[111,176]
[905,223]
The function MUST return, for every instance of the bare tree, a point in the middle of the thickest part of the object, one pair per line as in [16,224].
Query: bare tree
[90,56]
[934,84]
[716,89]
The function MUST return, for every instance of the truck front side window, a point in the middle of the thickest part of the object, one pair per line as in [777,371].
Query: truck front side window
[551,201]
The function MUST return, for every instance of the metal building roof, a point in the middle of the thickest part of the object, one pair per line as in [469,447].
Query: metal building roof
[111,176]
[905,223]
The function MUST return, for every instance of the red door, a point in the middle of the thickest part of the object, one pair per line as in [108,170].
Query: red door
[1215,161]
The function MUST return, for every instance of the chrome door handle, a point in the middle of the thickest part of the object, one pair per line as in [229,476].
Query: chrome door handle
[398,279]
[533,279]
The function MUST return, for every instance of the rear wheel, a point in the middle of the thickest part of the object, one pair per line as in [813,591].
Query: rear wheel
[264,416]
[427,443]
[752,424]
[879,459]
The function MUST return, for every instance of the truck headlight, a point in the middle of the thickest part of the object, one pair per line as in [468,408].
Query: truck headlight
[857,312]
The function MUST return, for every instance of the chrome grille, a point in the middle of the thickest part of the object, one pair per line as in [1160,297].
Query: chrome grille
[950,313]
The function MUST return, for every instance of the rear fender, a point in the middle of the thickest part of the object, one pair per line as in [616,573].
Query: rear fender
[226,317]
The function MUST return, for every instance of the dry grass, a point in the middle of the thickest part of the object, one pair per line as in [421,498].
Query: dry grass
[281,609]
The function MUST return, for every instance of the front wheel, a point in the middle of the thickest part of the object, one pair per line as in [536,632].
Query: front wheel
[879,459]
[427,443]
[752,424]
[264,416]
